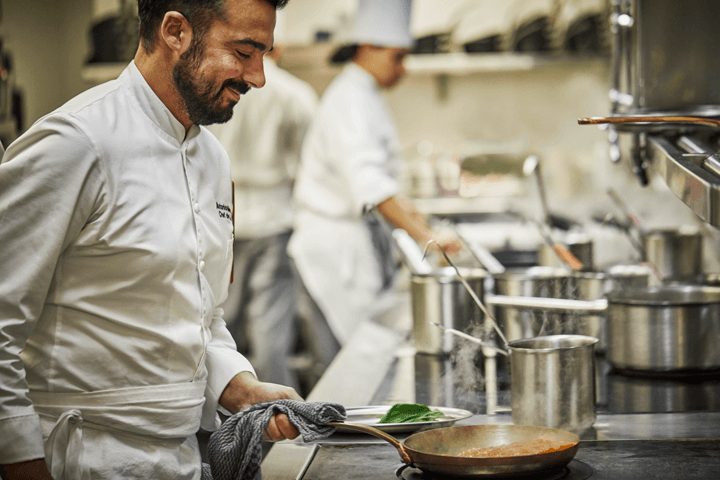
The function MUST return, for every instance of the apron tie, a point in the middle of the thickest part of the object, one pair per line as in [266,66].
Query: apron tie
[383,246]
[63,448]
[152,413]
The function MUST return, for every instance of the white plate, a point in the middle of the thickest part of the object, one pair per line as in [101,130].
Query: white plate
[371,416]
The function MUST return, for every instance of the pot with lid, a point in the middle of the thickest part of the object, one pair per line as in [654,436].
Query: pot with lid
[666,328]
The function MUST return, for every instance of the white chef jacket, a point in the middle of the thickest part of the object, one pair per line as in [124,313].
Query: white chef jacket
[350,161]
[115,250]
[263,139]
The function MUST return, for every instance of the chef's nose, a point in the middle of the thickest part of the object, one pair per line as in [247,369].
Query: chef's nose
[255,74]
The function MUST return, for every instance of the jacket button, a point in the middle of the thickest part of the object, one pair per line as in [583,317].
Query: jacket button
[201,267]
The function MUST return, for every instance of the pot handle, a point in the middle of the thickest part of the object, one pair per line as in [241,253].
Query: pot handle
[551,304]
[711,122]
[379,434]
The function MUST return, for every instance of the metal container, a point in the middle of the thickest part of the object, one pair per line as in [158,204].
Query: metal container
[545,282]
[666,328]
[440,297]
[676,254]
[594,286]
[579,245]
[552,382]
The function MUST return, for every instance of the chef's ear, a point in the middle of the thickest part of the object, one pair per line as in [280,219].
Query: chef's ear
[176,32]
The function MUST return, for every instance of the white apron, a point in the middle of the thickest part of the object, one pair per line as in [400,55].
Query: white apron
[139,432]
[338,266]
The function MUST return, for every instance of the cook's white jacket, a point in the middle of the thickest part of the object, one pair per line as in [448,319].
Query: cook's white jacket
[115,250]
[263,140]
[350,161]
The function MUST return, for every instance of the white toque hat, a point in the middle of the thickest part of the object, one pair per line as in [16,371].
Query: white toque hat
[384,23]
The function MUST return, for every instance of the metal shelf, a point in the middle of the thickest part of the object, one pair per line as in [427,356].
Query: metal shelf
[316,58]
[300,57]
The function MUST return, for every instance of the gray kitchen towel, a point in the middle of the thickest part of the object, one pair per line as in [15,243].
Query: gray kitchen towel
[235,450]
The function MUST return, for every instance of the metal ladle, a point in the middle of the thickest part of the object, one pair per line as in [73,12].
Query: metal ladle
[470,337]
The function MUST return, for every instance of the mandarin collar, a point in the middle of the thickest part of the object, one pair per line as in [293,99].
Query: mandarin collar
[153,107]
[362,75]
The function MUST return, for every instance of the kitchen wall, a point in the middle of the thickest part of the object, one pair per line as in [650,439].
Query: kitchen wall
[48,40]
[530,109]
[519,108]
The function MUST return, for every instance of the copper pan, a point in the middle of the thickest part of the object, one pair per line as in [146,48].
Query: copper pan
[435,451]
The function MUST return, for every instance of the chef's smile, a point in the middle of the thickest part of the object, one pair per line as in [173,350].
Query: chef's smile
[234,94]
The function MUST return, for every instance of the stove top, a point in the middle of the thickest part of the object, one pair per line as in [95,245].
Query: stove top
[575,470]
[595,460]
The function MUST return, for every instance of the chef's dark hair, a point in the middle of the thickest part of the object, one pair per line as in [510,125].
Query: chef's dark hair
[200,14]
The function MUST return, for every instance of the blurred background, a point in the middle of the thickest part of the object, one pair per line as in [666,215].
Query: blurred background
[489,84]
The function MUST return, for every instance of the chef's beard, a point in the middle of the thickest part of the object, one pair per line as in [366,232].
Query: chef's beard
[202,105]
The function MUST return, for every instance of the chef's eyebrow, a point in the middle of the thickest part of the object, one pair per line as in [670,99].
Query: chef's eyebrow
[248,41]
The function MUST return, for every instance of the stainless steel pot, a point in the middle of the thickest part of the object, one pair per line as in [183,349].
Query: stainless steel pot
[676,254]
[579,245]
[662,329]
[440,297]
[547,282]
[552,382]
[594,286]
[667,328]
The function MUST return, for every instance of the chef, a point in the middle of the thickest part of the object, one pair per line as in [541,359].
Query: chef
[348,183]
[116,235]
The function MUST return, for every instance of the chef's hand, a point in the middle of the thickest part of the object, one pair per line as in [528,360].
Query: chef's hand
[450,243]
[31,470]
[245,390]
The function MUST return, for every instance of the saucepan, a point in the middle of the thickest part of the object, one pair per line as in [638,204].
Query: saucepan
[437,451]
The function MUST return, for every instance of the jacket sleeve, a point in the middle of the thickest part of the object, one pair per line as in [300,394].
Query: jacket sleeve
[223,362]
[49,183]
[360,133]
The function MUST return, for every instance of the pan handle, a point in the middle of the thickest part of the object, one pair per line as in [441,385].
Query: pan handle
[549,304]
[379,434]
[649,119]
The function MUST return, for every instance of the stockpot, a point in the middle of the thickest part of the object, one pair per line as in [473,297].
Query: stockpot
[659,328]
[541,282]
[675,253]
[594,286]
[579,244]
[666,328]
[441,298]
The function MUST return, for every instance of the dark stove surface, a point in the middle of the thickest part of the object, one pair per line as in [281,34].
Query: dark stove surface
[575,470]
[596,460]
